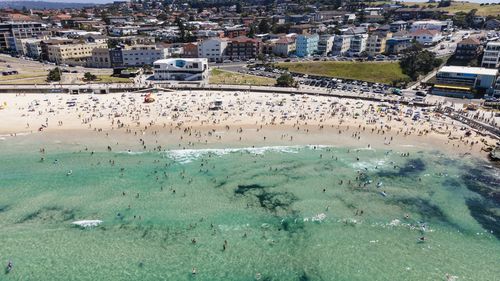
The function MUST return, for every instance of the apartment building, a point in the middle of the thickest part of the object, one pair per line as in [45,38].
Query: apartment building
[358,44]
[396,45]
[10,32]
[468,49]
[29,47]
[306,45]
[100,58]
[213,49]
[76,53]
[139,55]
[243,48]
[192,69]
[325,44]
[431,25]
[496,90]
[491,56]
[283,47]
[341,45]
[376,43]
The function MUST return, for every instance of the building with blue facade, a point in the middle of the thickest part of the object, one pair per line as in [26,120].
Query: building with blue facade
[306,45]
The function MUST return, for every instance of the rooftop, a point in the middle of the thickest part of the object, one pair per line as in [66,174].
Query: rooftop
[469,70]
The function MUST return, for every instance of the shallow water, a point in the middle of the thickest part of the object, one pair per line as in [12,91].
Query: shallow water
[282,210]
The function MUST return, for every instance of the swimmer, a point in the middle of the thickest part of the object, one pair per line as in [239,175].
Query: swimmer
[10,266]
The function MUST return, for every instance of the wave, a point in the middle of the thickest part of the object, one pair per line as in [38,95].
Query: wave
[185,156]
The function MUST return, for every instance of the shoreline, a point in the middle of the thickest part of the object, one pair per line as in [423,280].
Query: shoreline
[182,120]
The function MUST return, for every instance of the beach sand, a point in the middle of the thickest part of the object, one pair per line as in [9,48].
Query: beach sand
[182,119]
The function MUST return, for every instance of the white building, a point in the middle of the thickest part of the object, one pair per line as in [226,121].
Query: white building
[427,37]
[29,47]
[463,81]
[491,57]
[341,45]
[213,49]
[284,46]
[358,44]
[181,69]
[325,44]
[431,25]
[139,55]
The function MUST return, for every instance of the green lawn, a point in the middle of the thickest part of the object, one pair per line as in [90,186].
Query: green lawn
[378,72]
[218,76]
[111,79]
[456,6]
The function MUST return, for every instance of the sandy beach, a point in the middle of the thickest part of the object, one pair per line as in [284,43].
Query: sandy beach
[182,119]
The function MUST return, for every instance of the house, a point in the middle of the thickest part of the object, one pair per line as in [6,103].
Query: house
[302,29]
[374,18]
[235,31]
[427,37]
[399,25]
[468,49]
[191,50]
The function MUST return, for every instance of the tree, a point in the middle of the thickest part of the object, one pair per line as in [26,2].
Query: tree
[361,16]
[285,80]
[417,62]
[89,76]
[444,3]
[280,28]
[54,75]
[239,8]
[147,69]
[251,32]
[264,26]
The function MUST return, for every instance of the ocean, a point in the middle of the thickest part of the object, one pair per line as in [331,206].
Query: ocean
[266,213]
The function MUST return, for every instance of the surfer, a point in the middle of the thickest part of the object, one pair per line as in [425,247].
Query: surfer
[10,266]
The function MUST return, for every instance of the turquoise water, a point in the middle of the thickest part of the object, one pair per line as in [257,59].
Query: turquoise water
[287,213]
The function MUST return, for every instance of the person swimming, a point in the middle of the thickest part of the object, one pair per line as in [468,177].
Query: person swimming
[10,266]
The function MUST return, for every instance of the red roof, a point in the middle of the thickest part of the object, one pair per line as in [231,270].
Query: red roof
[425,32]
[244,39]
[469,41]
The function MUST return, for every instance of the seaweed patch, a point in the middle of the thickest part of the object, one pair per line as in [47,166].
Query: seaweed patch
[412,167]
[482,212]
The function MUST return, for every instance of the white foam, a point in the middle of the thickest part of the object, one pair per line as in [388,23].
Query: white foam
[185,156]
[87,223]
